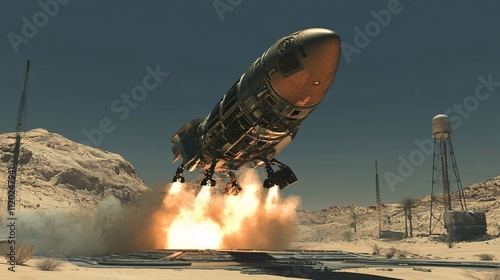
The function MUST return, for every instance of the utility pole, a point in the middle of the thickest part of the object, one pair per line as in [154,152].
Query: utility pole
[377,197]
[11,186]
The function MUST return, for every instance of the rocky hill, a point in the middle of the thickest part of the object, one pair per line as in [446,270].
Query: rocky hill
[55,172]
[330,224]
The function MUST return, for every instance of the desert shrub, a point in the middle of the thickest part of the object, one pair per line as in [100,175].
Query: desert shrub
[486,257]
[404,254]
[48,264]
[24,252]
[390,252]
[482,275]
[60,252]
[347,235]
[376,249]
[493,276]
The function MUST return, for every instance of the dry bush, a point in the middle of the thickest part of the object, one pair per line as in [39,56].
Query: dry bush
[486,257]
[482,275]
[24,252]
[391,252]
[48,264]
[60,252]
[492,276]
[404,254]
[376,249]
[347,235]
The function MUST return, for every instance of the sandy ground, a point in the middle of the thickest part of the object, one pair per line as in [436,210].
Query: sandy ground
[421,248]
[73,272]
[412,248]
[436,273]
[418,247]
[70,271]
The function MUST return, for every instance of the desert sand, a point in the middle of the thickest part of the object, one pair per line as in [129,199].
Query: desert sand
[421,248]
[70,271]
[416,248]
[436,273]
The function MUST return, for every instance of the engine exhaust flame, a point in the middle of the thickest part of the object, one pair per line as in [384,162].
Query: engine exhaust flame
[195,232]
[272,197]
[175,188]
[169,216]
[253,219]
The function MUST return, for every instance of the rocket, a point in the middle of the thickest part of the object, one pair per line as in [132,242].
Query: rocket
[262,112]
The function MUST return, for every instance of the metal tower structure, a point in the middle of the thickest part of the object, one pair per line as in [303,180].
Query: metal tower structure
[445,177]
[378,201]
[12,191]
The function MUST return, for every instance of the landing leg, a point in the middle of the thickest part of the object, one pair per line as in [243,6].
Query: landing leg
[282,178]
[271,180]
[209,173]
[178,175]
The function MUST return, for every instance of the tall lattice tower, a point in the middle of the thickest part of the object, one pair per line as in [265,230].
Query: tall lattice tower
[445,178]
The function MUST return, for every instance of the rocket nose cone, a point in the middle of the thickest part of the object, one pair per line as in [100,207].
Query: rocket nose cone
[318,50]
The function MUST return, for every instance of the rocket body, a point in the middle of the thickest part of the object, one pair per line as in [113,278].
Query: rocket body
[262,112]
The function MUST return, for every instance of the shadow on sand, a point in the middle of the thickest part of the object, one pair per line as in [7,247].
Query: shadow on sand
[318,274]
[263,263]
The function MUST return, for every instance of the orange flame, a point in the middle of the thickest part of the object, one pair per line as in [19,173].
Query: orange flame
[190,230]
[175,188]
[253,218]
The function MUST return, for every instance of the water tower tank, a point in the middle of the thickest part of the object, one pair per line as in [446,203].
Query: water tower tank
[441,127]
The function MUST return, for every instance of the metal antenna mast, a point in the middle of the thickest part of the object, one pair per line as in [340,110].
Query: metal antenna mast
[377,196]
[21,113]
[20,126]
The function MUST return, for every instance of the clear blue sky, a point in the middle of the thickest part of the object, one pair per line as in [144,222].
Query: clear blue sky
[425,59]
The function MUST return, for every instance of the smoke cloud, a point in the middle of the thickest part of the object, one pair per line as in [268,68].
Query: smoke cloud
[255,219]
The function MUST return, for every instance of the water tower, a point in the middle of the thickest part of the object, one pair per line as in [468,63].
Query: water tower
[445,178]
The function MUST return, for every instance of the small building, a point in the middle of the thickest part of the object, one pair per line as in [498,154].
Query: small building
[387,234]
[465,225]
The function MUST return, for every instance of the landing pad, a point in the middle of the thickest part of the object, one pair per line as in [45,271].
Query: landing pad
[289,263]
